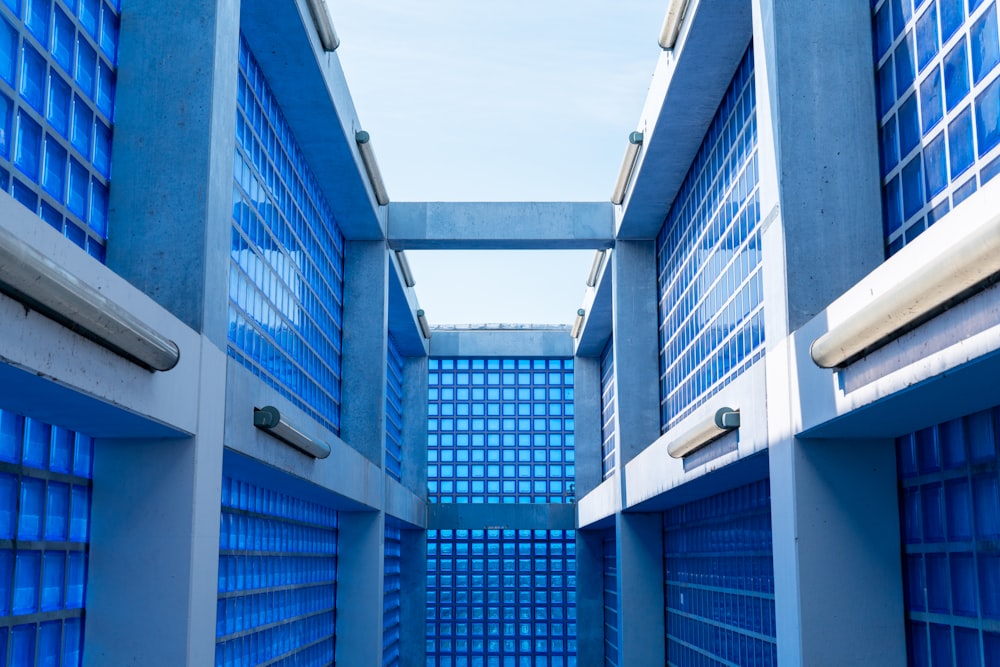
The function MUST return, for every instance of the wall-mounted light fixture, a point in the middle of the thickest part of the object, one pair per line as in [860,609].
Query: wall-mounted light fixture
[404,268]
[35,280]
[425,329]
[672,23]
[578,323]
[364,141]
[269,420]
[324,24]
[595,267]
[628,164]
[948,274]
[723,421]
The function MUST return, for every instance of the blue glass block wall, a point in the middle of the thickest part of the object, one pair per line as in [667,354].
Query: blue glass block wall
[58,63]
[610,563]
[394,412]
[277,579]
[949,493]
[501,598]
[45,494]
[938,95]
[500,430]
[720,580]
[391,585]
[711,319]
[286,277]
[608,407]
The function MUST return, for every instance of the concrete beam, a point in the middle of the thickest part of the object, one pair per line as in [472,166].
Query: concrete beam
[512,341]
[360,568]
[500,225]
[404,505]
[641,608]
[551,516]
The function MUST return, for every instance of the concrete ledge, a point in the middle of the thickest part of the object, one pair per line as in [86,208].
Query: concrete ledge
[500,225]
[597,321]
[504,517]
[511,342]
[405,505]
[597,509]
[403,314]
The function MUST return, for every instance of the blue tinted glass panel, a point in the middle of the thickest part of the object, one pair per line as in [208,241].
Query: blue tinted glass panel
[277,578]
[500,430]
[710,289]
[608,408]
[720,580]
[984,44]
[988,118]
[927,36]
[287,259]
[394,411]
[391,589]
[931,100]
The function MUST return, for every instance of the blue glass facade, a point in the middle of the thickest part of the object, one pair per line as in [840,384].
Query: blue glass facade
[58,63]
[394,412]
[286,278]
[711,319]
[501,598]
[610,564]
[391,592]
[500,430]
[277,578]
[608,408]
[45,493]
[949,490]
[720,580]
[938,97]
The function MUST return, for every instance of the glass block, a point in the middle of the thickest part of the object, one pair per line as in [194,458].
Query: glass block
[983,42]
[31,509]
[989,585]
[37,19]
[904,67]
[931,100]
[9,488]
[31,82]
[988,118]
[8,51]
[79,518]
[936,160]
[79,188]
[26,582]
[22,645]
[54,169]
[57,512]
[50,644]
[956,74]
[27,146]
[927,36]
[85,71]
[89,12]
[913,190]
[952,16]
[53,580]
[63,40]
[76,579]
[960,146]
[59,102]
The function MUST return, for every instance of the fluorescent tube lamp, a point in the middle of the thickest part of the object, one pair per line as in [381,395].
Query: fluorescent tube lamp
[578,323]
[672,23]
[947,275]
[595,268]
[722,422]
[404,268]
[628,164]
[364,141]
[35,280]
[324,24]
[269,420]
[425,329]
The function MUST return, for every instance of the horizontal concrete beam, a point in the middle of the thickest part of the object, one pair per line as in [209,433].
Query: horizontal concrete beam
[505,517]
[500,225]
[404,505]
[497,342]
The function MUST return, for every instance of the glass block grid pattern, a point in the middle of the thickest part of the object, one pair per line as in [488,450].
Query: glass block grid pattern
[949,492]
[45,494]
[286,277]
[938,95]
[391,586]
[58,62]
[277,579]
[501,598]
[610,562]
[720,580]
[500,430]
[394,412]
[711,319]
[608,407]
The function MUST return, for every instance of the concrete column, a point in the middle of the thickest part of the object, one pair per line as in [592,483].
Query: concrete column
[413,608]
[154,553]
[415,425]
[636,348]
[169,227]
[587,393]
[641,614]
[837,564]
[818,154]
[360,568]
[589,598]
[366,302]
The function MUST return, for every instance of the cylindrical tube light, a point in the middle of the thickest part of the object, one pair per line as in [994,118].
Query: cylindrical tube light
[723,421]
[364,141]
[672,23]
[595,267]
[425,328]
[404,268]
[628,164]
[320,12]
[34,279]
[578,323]
[269,419]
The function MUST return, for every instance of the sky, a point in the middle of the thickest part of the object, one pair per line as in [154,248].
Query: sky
[511,100]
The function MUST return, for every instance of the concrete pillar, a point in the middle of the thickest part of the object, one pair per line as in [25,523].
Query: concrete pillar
[837,565]
[587,398]
[413,607]
[154,551]
[360,568]
[589,598]
[366,302]
[169,227]
[415,425]
[641,613]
